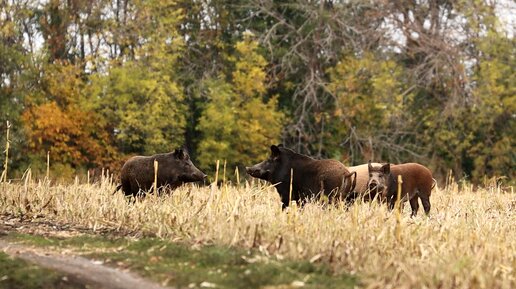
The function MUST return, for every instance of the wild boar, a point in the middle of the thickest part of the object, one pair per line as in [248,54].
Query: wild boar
[417,182]
[310,176]
[362,178]
[174,169]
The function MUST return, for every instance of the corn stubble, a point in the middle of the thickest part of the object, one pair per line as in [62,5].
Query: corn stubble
[469,241]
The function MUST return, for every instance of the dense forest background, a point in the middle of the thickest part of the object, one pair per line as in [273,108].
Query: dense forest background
[95,81]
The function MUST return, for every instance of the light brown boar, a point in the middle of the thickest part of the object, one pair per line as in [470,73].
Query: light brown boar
[362,178]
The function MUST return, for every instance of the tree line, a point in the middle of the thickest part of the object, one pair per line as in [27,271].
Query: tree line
[93,82]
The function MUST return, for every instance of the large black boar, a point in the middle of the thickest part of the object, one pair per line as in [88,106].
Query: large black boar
[417,182]
[310,176]
[174,169]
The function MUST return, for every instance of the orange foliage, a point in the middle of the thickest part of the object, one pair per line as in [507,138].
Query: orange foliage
[71,135]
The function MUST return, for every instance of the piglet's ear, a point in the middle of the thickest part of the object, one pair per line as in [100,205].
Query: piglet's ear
[275,151]
[386,169]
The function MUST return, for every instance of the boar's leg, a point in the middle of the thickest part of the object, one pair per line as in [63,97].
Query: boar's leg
[425,199]
[414,205]
[126,187]
[285,202]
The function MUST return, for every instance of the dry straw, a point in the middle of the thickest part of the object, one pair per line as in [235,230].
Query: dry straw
[469,240]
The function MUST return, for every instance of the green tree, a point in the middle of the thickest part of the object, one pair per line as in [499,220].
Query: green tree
[238,124]
[492,118]
[17,75]
[371,101]
[140,98]
[143,108]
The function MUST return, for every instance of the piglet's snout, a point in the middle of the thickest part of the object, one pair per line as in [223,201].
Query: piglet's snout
[375,186]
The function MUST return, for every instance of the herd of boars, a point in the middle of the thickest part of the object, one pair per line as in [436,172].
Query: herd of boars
[297,178]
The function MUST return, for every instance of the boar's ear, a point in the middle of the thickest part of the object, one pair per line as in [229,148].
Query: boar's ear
[281,145]
[369,166]
[275,151]
[180,154]
[386,169]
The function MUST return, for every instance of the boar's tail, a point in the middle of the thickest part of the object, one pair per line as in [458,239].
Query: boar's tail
[117,188]
[434,183]
[354,184]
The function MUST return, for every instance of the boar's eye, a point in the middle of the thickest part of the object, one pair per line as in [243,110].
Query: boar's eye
[370,175]
[380,175]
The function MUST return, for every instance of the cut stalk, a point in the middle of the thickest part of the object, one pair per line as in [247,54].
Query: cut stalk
[224,173]
[237,176]
[290,188]
[6,164]
[217,172]
[398,210]
[224,186]
[213,186]
[155,177]
[48,165]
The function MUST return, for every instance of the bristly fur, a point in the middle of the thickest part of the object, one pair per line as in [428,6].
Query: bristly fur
[417,182]
[311,176]
[174,169]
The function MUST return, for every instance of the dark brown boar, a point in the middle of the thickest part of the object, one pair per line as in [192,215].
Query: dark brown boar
[174,169]
[417,182]
[310,176]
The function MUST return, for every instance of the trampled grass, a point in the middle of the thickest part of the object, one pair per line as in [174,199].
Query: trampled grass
[469,241]
[17,273]
[181,266]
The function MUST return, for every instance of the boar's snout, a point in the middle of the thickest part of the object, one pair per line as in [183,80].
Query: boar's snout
[194,176]
[256,172]
[200,176]
[252,171]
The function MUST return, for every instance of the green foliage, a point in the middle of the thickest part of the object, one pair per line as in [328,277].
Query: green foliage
[140,98]
[143,108]
[492,118]
[249,75]
[372,96]
[14,68]
[238,124]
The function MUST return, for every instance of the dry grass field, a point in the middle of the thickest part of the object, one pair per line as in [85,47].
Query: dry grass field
[469,240]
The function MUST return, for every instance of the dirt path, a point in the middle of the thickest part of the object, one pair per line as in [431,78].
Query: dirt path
[84,270]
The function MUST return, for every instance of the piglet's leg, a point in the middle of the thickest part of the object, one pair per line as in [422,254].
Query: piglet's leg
[425,199]
[414,205]
[391,201]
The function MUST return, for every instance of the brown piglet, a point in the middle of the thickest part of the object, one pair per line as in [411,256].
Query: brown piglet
[417,182]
